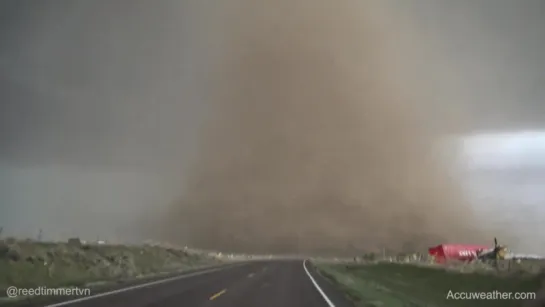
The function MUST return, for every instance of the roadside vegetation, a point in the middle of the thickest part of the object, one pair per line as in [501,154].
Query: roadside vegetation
[28,263]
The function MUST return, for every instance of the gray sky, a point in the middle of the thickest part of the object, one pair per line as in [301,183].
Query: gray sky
[96,83]
[101,100]
[497,47]
[101,83]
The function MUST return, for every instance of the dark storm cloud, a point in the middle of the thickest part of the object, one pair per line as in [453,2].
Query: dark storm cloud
[126,85]
[497,47]
[79,78]
[96,83]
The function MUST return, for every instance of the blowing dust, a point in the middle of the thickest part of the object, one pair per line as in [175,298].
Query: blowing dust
[322,136]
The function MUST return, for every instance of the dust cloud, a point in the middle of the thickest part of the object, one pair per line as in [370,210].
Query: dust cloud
[325,119]
[283,126]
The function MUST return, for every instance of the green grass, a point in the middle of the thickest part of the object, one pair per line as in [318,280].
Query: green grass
[393,285]
[60,264]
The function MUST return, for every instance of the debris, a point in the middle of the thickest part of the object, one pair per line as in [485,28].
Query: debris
[74,242]
[13,253]
[4,249]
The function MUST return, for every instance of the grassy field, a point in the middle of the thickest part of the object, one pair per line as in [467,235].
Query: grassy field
[27,264]
[400,285]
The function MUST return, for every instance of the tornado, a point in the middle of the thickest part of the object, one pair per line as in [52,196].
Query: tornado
[323,133]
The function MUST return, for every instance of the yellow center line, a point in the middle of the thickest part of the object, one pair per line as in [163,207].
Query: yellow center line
[215,296]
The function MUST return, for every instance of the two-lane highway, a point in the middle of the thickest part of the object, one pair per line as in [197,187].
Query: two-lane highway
[282,283]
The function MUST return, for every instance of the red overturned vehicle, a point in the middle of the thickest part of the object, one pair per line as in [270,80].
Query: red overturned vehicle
[460,252]
[466,252]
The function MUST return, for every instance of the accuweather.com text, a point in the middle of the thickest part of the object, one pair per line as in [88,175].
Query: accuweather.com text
[491,295]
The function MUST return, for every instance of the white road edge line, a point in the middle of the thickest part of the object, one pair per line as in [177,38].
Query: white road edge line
[324,296]
[139,286]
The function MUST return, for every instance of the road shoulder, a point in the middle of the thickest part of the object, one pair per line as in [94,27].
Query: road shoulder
[336,295]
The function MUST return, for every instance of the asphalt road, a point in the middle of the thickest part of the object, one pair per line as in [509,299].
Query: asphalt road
[285,283]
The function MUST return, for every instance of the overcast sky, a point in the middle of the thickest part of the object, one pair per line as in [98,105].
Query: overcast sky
[104,95]
[100,83]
